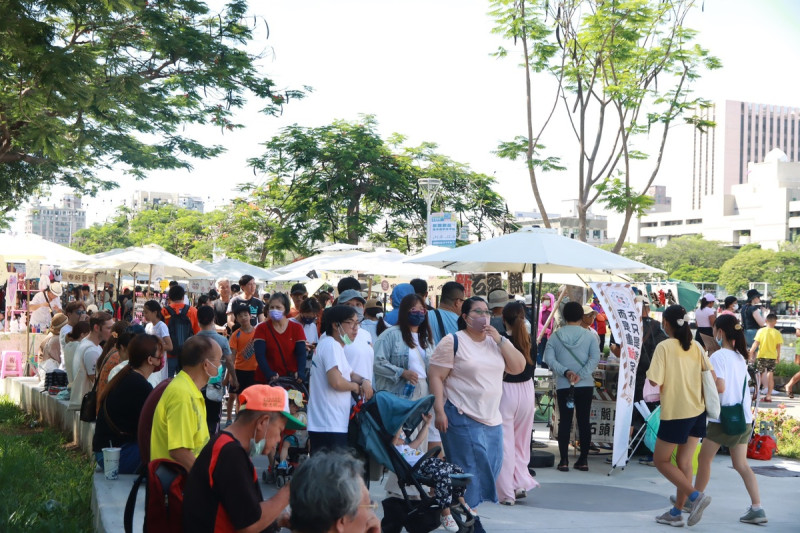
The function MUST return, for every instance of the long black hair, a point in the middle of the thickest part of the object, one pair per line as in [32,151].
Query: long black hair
[424,332]
[676,316]
[730,327]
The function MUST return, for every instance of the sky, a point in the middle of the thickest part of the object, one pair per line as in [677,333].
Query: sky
[424,69]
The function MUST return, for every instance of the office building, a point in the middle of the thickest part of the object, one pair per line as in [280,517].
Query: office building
[56,223]
[567,222]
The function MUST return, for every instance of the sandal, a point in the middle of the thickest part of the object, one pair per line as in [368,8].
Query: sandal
[563,466]
[788,391]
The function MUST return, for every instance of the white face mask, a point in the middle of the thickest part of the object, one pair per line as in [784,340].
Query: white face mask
[257,447]
[735,307]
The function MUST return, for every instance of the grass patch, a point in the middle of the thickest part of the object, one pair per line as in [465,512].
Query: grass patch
[45,483]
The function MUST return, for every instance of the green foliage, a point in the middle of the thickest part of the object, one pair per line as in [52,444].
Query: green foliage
[45,484]
[688,254]
[695,274]
[619,197]
[93,84]
[789,291]
[746,266]
[786,369]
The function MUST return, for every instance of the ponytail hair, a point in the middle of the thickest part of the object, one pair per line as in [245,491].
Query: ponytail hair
[514,316]
[154,307]
[679,321]
[730,327]
[382,325]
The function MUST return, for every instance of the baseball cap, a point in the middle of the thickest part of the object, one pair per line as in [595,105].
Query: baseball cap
[498,298]
[56,288]
[91,308]
[709,297]
[269,399]
[351,294]
[373,302]
[753,293]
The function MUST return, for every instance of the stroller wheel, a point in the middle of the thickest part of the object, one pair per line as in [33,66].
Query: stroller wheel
[280,481]
[268,477]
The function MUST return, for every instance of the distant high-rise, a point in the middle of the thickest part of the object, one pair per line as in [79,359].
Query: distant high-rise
[149,199]
[745,133]
[56,224]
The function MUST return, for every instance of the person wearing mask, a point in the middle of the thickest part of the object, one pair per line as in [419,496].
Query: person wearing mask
[730,306]
[247,296]
[280,344]
[153,315]
[121,402]
[704,317]
[223,492]
[221,306]
[73,340]
[467,382]
[390,319]
[86,356]
[242,345]
[676,368]
[373,310]
[298,294]
[498,299]
[75,313]
[572,354]
[113,354]
[333,381]
[545,310]
[517,407]
[359,353]
[318,509]
[309,316]
[179,429]
[445,318]
[730,366]
[752,317]
[215,389]
[43,304]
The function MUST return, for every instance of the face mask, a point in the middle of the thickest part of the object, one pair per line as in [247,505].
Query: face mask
[160,364]
[345,338]
[719,341]
[307,320]
[276,314]
[217,368]
[257,448]
[735,307]
[546,304]
[415,318]
[359,313]
[478,323]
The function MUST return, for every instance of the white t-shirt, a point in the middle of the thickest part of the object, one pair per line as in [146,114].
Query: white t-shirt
[160,329]
[68,359]
[41,317]
[328,409]
[416,361]
[62,340]
[731,366]
[312,334]
[703,316]
[81,384]
[88,353]
[411,455]
[360,354]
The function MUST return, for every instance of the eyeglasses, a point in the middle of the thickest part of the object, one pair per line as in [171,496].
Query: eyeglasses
[371,505]
[350,323]
[481,312]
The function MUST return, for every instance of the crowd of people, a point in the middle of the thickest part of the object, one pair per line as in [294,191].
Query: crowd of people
[476,356]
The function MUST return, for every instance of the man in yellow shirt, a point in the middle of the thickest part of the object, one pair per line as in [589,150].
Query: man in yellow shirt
[768,343]
[179,422]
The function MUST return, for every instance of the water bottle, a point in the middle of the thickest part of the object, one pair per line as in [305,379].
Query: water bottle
[408,390]
[571,397]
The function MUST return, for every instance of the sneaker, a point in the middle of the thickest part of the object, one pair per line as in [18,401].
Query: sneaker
[668,519]
[754,517]
[449,523]
[686,507]
[698,506]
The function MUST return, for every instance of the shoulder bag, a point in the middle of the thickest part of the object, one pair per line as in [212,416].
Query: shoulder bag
[731,417]
[89,401]
[710,394]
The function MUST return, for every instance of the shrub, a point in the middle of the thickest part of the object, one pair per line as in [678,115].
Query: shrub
[786,369]
[787,430]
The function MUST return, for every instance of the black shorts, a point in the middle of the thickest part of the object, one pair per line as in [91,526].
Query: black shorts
[246,378]
[678,431]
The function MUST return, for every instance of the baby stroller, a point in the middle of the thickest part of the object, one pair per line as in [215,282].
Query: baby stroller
[278,472]
[374,428]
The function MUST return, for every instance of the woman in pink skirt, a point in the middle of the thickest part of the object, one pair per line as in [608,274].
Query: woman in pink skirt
[517,407]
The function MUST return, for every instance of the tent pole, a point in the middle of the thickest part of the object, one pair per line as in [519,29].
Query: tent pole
[534,306]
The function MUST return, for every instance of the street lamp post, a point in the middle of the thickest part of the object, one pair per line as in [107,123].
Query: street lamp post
[430,186]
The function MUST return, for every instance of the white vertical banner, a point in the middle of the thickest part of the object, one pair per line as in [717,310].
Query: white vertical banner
[625,321]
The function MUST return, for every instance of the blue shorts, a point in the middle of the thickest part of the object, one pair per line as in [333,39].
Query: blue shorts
[679,430]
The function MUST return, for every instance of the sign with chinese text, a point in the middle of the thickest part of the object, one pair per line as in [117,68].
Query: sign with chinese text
[444,230]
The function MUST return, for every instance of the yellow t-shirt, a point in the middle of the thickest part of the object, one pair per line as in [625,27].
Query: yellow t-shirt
[678,372]
[179,420]
[768,340]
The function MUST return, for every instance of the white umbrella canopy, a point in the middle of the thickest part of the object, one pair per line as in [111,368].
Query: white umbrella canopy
[141,259]
[316,262]
[550,252]
[234,269]
[386,262]
[338,247]
[35,248]
[98,262]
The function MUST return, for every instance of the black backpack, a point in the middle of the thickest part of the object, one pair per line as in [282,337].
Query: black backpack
[180,329]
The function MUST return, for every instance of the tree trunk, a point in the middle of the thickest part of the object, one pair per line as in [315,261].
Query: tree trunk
[582,221]
[623,232]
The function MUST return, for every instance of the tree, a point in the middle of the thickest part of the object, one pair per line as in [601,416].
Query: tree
[103,237]
[745,267]
[695,274]
[94,84]
[788,292]
[686,254]
[609,59]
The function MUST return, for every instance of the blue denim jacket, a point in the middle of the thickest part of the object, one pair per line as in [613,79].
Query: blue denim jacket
[391,359]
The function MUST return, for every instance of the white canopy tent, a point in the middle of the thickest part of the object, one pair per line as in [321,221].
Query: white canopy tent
[233,269]
[29,247]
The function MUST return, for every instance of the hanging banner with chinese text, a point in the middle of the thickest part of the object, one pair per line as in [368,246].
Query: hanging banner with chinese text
[625,321]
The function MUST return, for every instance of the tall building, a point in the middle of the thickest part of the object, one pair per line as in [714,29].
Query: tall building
[143,199]
[54,223]
[745,133]
[567,223]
